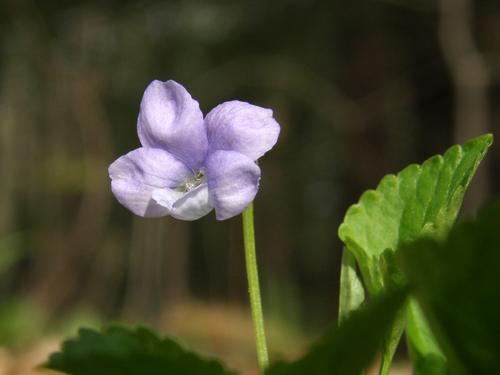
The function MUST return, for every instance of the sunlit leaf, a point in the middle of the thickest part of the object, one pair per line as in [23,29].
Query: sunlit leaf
[120,351]
[352,293]
[420,200]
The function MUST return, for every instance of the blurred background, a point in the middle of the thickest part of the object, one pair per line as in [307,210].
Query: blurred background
[360,88]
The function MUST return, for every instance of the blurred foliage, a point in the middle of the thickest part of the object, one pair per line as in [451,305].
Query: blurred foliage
[350,348]
[20,322]
[121,351]
[456,281]
[23,323]
[11,250]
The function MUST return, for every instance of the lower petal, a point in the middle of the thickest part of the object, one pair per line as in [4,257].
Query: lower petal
[137,198]
[136,175]
[233,182]
[185,206]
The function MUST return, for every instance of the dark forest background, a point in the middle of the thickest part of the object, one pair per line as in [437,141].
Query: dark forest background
[360,88]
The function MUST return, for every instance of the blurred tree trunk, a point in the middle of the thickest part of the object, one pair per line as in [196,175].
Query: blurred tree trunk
[72,246]
[471,79]
[156,272]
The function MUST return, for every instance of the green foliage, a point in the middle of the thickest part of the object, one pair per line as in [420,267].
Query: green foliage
[456,282]
[420,200]
[350,348]
[427,357]
[21,322]
[11,250]
[352,293]
[391,341]
[73,320]
[120,351]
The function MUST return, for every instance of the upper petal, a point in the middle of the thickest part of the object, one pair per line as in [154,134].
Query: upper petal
[171,119]
[242,127]
[233,182]
[185,206]
[137,174]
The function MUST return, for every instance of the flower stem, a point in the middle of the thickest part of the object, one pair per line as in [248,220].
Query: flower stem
[253,287]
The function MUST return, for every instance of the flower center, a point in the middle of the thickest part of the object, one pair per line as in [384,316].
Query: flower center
[191,182]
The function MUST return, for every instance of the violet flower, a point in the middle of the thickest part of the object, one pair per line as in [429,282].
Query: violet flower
[188,165]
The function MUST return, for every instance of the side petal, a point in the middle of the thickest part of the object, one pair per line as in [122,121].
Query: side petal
[137,174]
[233,181]
[242,127]
[171,119]
[186,206]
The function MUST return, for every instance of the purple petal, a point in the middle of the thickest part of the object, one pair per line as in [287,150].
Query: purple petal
[186,206]
[137,174]
[233,181]
[171,119]
[242,127]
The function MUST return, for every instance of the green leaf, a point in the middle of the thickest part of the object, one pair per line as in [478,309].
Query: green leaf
[457,284]
[120,351]
[426,356]
[421,199]
[352,293]
[391,341]
[349,348]
[393,276]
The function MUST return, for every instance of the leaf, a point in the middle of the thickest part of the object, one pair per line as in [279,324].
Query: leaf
[457,284]
[426,356]
[391,341]
[421,199]
[352,293]
[392,277]
[120,351]
[349,348]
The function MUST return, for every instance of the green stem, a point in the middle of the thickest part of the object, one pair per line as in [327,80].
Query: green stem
[253,288]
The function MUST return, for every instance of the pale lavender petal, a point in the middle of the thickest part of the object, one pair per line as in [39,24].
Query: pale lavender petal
[137,174]
[185,206]
[242,127]
[166,197]
[171,119]
[233,182]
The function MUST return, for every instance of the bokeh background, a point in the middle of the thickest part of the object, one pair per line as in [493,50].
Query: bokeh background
[360,88]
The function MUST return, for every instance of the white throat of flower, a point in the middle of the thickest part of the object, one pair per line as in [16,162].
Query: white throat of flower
[192,182]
